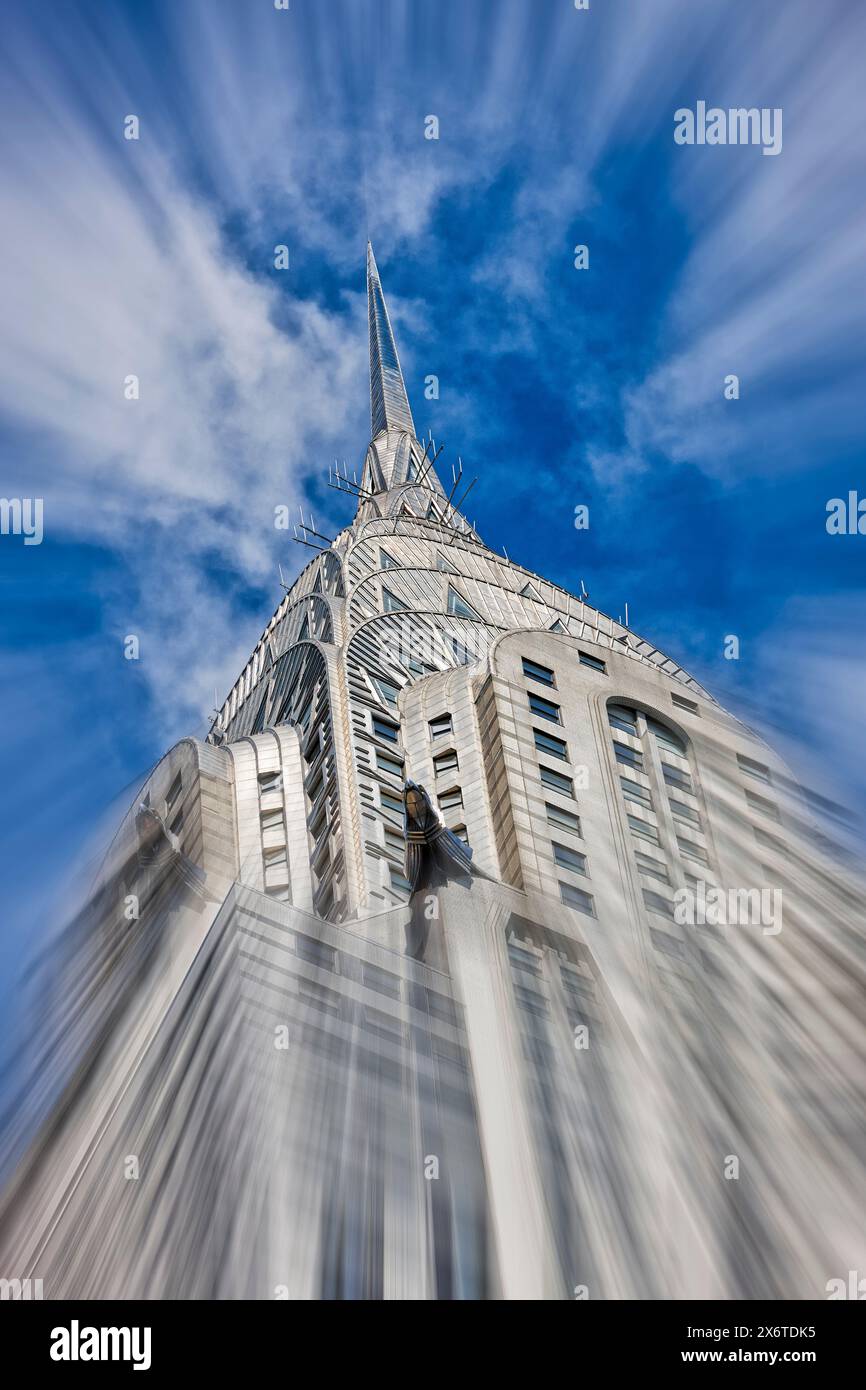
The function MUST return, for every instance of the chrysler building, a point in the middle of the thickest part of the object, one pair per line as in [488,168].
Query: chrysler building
[382,991]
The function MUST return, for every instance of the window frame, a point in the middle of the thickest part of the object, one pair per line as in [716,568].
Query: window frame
[580,893]
[569,854]
[537,667]
[594,663]
[544,709]
[553,748]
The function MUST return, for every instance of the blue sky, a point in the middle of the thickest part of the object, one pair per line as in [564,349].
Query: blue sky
[558,387]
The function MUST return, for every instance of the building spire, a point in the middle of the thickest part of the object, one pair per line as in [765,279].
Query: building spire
[389,404]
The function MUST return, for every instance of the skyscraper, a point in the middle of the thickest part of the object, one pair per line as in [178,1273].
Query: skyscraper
[477,952]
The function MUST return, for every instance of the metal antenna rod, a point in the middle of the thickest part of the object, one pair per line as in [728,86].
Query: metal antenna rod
[311,529]
[423,478]
[458,505]
[421,468]
[457,478]
[350,490]
[301,541]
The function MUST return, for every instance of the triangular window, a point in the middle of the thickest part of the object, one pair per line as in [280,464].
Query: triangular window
[458,605]
[386,561]
[529,591]
[390,602]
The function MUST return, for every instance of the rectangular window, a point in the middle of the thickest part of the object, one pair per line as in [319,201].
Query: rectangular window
[328,1000]
[523,958]
[270,782]
[387,690]
[450,800]
[461,832]
[665,737]
[761,804]
[569,858]
[576,898]
[595,663]
[545,708]
[276,858]
[374,977]
[769,841]
[542,674]
[629,757]
[390,602]
[547,743]
[653,868]
[399,883]
[394,841]
[643,828]
[566,820]
[690,850]
[441,726]
[657,903]
[272,820]
[663,941]
[556,781]
[390,802]
[635,792]
[383,1025]
[385,729]
[389,765]
[682,703]
[753,769]
[530,1000]
[177,824]
[621,718]
[675,777]
[681,811]
[316,952]
[445,762]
